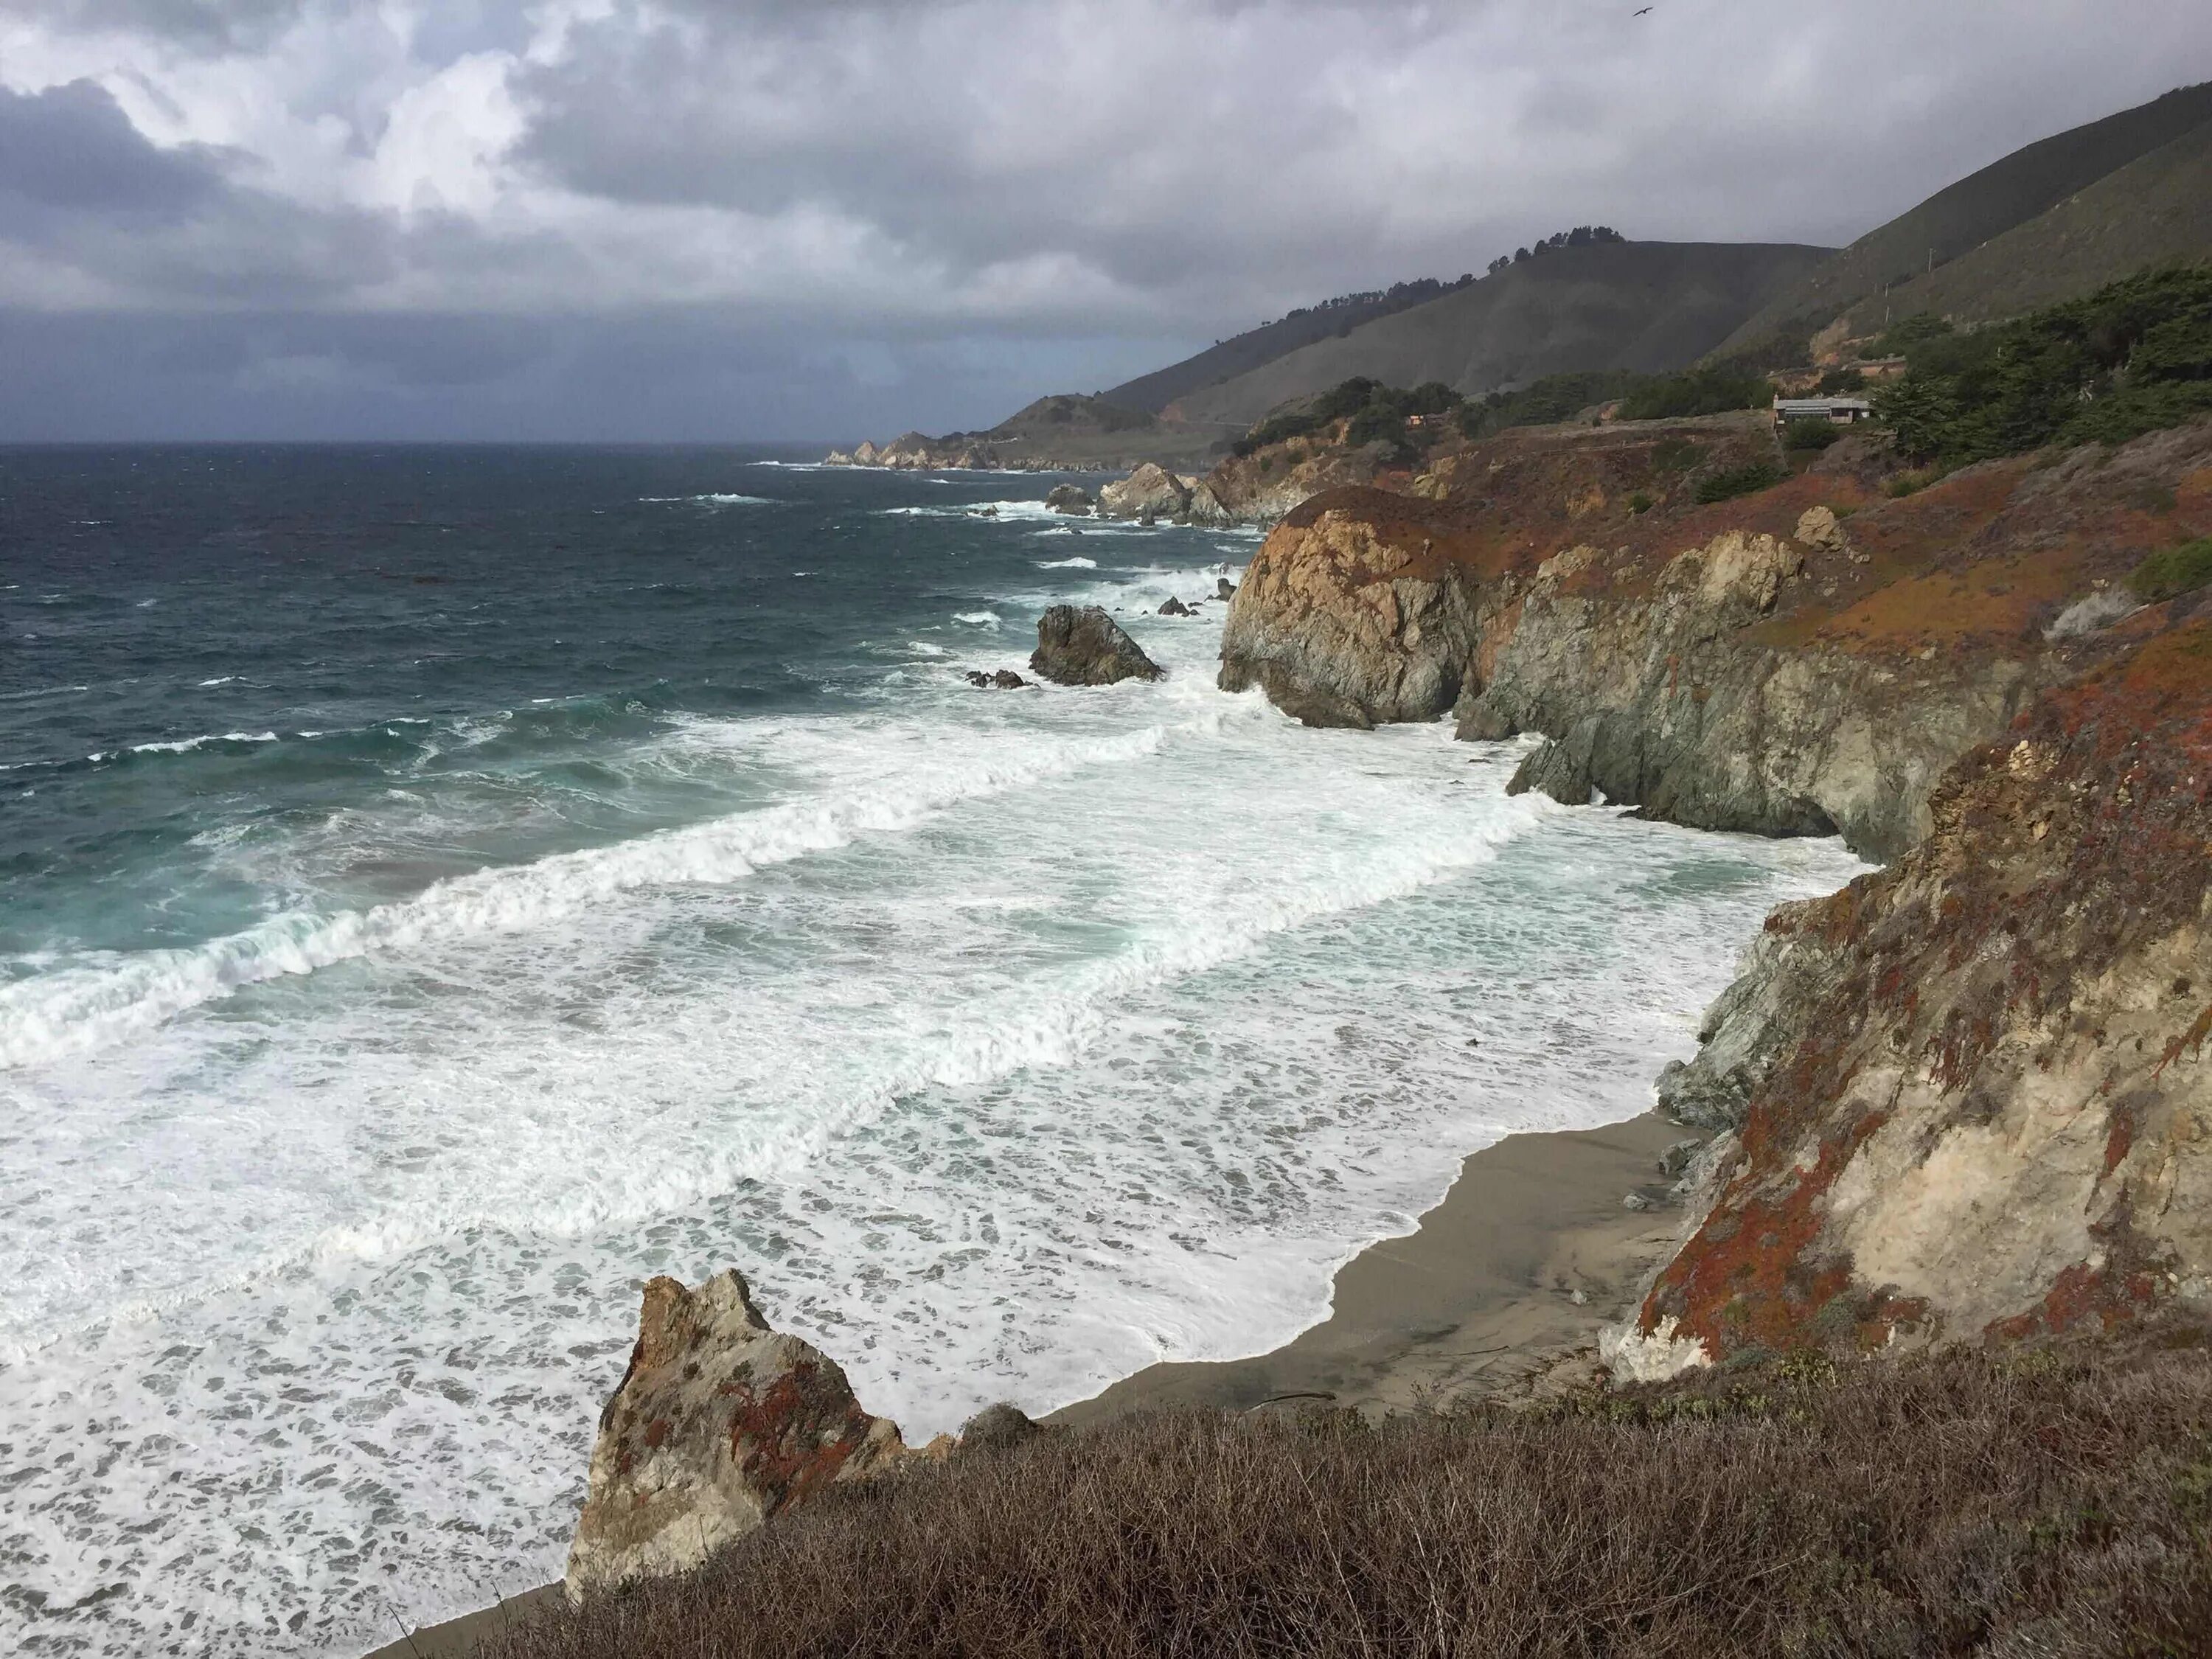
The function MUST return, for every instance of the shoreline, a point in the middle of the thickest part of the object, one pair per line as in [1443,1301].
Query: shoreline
[1480,1297]
[1510,1277]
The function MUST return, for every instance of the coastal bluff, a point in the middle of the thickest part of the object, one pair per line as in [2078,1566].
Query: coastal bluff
[1963,1099]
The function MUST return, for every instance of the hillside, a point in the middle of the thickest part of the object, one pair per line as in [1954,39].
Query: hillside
[1648,305]
[1978,209]
[1061,432]
[2156,210]
[1227,359]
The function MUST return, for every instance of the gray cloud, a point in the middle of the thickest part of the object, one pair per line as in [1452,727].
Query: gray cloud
[72,147]
[486,215]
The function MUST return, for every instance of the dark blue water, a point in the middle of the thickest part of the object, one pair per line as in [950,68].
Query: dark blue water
[364,606]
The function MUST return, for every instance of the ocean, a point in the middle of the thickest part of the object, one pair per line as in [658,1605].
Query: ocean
[441,889]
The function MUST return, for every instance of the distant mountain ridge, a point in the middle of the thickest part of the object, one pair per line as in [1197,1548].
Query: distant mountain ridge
[1645,306]
[1227,359]
[1979,208]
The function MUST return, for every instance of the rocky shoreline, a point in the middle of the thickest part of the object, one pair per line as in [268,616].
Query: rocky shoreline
[1960,1101]
[1963,1099]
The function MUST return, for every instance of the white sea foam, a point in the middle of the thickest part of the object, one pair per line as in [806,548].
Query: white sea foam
[1008,1042]
[1079,563]
[82,1008]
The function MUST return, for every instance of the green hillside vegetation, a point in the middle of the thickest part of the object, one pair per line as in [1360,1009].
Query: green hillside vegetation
[1227,359]
[2133,357]
[1699,392]
[2176,571]
[2022,186]
[1555,399]
[1376,413]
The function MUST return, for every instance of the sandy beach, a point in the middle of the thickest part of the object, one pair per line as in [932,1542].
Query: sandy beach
[1531,1253]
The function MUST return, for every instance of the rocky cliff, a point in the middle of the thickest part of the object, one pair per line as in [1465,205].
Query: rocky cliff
[1808,658]
[1989,1114]
[1967,1092]
[718,1422]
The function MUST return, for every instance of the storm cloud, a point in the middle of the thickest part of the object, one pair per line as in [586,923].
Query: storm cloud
[606,219]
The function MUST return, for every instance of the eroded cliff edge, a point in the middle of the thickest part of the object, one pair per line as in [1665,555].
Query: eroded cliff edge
[1807,659]
[1968,1092]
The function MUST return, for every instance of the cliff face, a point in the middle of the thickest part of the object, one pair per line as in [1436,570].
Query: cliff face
[1991,1116]
[1969,1089]
[1810,657]
[1345,619]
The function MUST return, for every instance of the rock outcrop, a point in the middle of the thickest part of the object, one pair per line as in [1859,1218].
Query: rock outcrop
[1811,657]
[1988,1115]
[1086,646]
[1965,1098]
[1149,492]
[1347,617]
[718,1422]
[1073,500]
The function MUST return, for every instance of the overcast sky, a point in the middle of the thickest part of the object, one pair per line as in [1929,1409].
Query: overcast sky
[833,219]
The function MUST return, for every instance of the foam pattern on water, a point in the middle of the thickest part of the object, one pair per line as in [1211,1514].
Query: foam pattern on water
[1008,1041]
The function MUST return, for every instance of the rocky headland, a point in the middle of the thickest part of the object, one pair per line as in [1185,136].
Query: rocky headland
[1962,1100]
[1064,433]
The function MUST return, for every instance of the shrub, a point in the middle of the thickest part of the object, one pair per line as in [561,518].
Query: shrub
[1696,392]
[2131,358]
[1639,503]
[2055,1503]
[1731,482]
[1675,455]
[1839,382]
[1543,403]
[2173,572]
[1811,433]
[1376,423]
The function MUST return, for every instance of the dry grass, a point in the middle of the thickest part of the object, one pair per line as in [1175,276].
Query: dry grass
[2053,1503]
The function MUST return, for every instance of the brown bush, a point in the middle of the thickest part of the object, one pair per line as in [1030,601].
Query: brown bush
[2053,1503]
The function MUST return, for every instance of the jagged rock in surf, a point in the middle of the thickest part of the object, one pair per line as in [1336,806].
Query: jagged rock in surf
[1006,680]
[1073,500]
[719,1423]
[1086,646]
[1346,618]
[1224,588]
[1175,607]
[1151,492]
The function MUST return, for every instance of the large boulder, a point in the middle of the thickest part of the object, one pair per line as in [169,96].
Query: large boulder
[719,1423]
[1348,615]
[1086,646]
[1070,499]
[1150,491]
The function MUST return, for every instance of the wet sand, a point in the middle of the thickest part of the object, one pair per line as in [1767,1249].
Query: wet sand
[1528,1255]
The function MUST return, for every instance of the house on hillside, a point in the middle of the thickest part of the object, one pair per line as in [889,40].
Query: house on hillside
[1843,411]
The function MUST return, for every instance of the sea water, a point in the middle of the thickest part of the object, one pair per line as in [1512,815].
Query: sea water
[441,889]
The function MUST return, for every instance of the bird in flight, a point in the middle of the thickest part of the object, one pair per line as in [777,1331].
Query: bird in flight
[1646,12]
